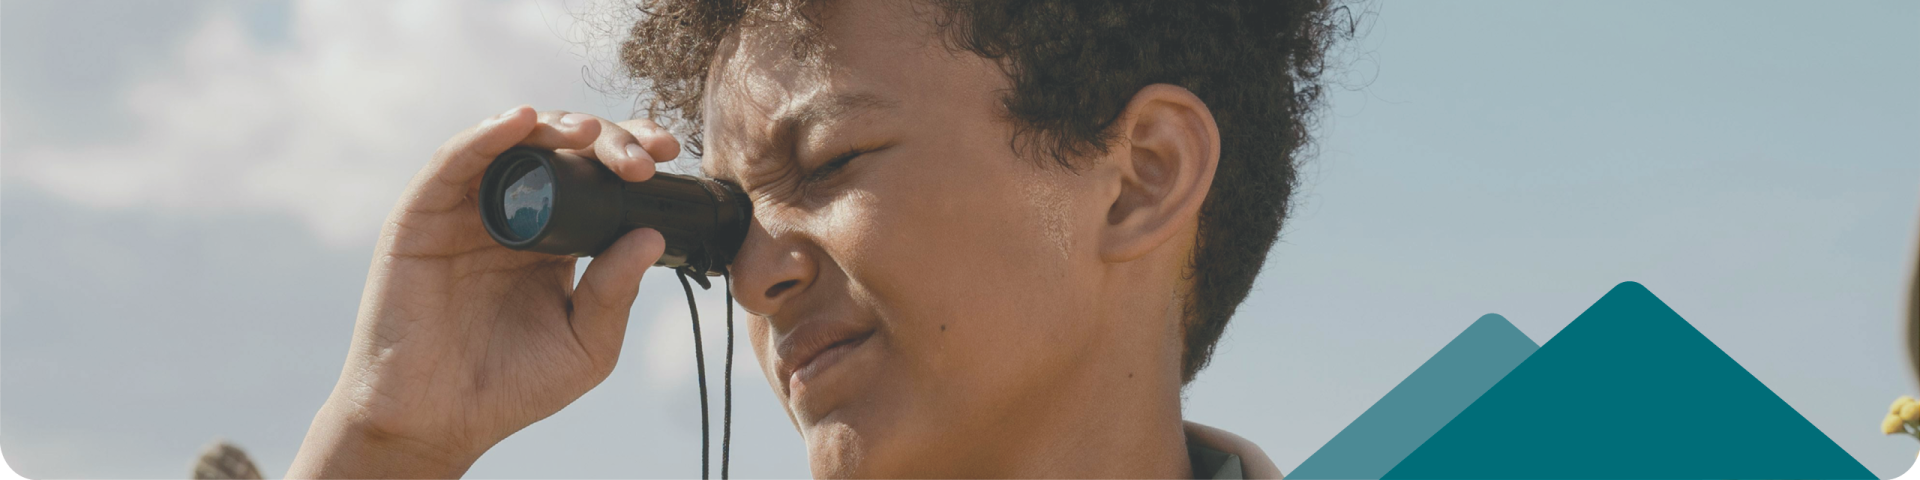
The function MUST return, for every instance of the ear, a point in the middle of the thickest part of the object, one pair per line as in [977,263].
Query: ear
[1169,148]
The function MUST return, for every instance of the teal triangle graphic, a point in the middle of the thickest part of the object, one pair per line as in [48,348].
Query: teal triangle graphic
[1421,404]
[1629,390]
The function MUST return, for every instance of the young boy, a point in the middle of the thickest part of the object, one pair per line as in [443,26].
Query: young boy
[990,238]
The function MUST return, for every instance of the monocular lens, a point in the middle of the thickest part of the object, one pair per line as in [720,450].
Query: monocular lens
[564,204]
[528,200]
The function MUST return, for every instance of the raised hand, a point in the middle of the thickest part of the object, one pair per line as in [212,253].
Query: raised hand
[461,342]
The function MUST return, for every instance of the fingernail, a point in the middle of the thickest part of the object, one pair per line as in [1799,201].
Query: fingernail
[507,113]
[574,119]
[635,152]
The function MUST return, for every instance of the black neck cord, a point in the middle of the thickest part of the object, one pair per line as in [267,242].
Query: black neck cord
[700,366]
[726,412]
[700,363]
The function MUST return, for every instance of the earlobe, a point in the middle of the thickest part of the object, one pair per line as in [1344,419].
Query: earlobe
[1169,149]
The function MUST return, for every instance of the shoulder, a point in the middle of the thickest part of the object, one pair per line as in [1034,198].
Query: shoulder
[1252,459]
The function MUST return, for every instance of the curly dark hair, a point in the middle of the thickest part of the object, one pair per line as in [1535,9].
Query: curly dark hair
[1073,66]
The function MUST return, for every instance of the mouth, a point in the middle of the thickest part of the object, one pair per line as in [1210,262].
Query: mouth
[811,358]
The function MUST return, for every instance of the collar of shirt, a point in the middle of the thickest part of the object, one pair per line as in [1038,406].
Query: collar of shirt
[1211,463]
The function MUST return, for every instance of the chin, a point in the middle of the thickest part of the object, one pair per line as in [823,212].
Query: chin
[834,450]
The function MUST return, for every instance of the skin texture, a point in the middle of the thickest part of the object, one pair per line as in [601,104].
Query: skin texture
[1016,310]
[981,313]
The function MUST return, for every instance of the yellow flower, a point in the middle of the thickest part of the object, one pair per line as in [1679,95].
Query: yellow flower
[1899,402]
[1892,425]
[1910,412]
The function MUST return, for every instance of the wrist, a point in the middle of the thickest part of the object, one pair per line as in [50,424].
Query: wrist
[338,446]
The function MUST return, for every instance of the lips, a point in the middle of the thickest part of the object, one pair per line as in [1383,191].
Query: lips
[816,346]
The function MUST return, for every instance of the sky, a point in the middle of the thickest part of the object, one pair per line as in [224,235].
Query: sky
[190,191]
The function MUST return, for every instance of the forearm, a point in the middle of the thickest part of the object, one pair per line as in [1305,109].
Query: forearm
[336,448]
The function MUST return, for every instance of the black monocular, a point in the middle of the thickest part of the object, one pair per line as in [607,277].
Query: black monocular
[554,202]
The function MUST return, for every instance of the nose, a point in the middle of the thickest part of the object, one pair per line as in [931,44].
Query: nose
[771,270]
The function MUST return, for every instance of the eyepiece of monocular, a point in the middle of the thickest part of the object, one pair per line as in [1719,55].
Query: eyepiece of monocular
[552,202]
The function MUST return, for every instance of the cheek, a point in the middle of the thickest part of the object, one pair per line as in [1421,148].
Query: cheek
[946,240]
[951,251]
[1050,208]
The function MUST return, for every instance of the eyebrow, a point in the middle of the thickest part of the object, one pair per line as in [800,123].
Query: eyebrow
[789,124]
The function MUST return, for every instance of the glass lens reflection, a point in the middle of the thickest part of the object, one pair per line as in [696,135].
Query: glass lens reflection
[529,202]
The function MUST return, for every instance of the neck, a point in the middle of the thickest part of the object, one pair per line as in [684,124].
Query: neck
[1118,416]
[1109,426]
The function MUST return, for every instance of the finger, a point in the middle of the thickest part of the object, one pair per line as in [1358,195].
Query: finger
[658,142]
[557,130]
[604,298]
[622,153]
[443,183]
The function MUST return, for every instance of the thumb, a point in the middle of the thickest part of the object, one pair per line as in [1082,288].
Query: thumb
[604,298]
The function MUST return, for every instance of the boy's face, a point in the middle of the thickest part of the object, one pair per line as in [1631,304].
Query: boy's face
[919,306]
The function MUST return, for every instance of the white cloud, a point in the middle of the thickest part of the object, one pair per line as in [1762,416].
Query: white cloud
[330,125]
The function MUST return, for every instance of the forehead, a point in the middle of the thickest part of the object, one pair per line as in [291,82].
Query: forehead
[871,55]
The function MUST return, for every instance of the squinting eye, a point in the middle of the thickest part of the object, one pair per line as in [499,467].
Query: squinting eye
[834,164]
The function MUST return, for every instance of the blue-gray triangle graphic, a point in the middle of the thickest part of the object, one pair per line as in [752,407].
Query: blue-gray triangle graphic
[1629,390]
[1421,404]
